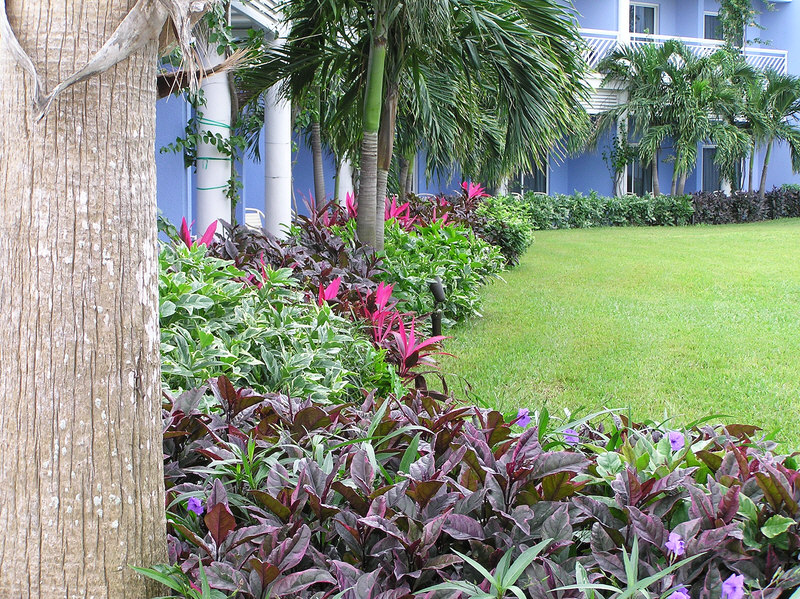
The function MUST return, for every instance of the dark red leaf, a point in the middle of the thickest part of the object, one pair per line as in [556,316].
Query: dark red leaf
[220,522]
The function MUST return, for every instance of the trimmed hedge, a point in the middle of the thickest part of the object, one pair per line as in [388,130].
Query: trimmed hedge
[579,211]
[715,208]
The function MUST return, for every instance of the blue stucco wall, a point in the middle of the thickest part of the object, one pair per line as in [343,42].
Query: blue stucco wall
[597,15]
[173,180]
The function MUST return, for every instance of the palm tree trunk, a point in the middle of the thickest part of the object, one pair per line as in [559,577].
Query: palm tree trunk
[368,176]
[656,185]
[337,181]
[410,174]
[763,187]
[316,152]
[751,168]
[81,473]
[681,184]
[402,177]
[385,148]
[674,185]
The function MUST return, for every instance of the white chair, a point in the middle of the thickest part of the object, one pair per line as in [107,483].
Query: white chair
[254,218]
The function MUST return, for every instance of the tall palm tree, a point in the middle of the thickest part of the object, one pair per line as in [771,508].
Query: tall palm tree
[780,109]
[529,54]
[704,101]
[674,94]
[644,74]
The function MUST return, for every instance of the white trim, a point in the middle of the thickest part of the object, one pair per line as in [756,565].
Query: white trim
[261,15]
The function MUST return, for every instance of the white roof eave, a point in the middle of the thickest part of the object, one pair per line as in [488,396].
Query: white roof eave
[263,12]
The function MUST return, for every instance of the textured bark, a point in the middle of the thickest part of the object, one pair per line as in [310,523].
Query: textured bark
[656,185]
[81,483]
[762,188]
[373,98]
[402,177]
[410,176]
[681,183]
[367,189]
[319,170]
[385,150]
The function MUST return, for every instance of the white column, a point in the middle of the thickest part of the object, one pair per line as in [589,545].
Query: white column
[345,180]
[277,162]
[624,22]
[502,187]
[213,167]
[621,179]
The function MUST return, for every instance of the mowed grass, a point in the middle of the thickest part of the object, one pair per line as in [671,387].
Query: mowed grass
[687,322]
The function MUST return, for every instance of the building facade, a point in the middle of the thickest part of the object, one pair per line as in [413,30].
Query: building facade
[603,24]
[606,23]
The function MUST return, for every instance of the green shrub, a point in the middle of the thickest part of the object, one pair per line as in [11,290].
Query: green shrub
[214,322]
[506,226]
[451,252]
[580,211]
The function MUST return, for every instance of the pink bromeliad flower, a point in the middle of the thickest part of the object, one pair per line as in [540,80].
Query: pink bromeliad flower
[402,214]
[413,350]
[329,292]
[207,237]
[384,316]
[474,190]
[351,205]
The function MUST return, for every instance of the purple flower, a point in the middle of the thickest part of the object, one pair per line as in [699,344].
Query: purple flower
[676,545]
[194,505]
[680,593]
[523,417]
[571,436]
[733,587]
[676,440]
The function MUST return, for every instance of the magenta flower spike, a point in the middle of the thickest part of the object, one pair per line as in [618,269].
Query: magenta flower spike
[329,292]
[351,205]
[186,236]
[474,190]
[208,236]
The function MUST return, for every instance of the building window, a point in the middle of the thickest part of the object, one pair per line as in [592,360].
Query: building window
[712,178]
[535,181]
[644,18]
[712,27]
[640,178]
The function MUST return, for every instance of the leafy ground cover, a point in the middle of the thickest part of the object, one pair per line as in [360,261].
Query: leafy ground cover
[305,456]
[681,321]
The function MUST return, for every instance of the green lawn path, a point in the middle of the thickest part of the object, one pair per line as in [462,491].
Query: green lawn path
[685,321]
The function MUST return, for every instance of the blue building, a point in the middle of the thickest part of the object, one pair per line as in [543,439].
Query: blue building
[603,24]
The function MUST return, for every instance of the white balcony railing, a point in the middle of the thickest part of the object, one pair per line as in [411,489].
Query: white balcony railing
[601,42]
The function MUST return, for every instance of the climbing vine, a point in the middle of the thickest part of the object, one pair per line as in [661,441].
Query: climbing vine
[736,16]
[618,154]
[232,147]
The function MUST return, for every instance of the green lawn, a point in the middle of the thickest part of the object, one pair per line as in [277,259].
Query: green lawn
[685,321]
